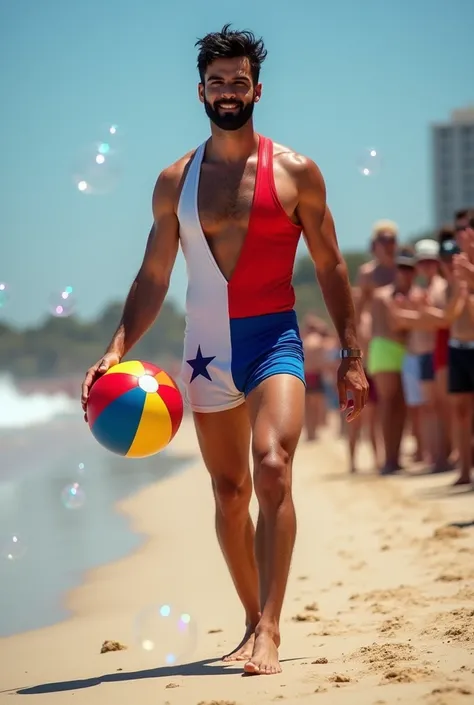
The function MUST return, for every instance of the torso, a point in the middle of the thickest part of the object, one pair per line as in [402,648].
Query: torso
[239,231]
[225,197]
[374,275]
[463,327]
[381,327]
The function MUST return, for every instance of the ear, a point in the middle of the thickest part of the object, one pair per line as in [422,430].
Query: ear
[258,92]
[201,92]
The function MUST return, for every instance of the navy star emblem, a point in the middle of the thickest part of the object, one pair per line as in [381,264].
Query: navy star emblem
[199,365]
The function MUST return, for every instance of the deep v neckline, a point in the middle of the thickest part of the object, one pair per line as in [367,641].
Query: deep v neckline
[198,219]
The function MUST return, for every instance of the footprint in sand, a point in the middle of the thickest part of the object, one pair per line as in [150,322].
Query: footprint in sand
[390,626]
[443,533]
[406,675]
[303,617]
[339,678]
[456,625]
[380,656]
[402,594]
[214,631]
[448,695]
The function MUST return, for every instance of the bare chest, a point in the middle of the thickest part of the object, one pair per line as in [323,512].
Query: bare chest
[382,276]
[226,197]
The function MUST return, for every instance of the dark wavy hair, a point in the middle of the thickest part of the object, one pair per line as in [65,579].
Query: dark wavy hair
[228,44]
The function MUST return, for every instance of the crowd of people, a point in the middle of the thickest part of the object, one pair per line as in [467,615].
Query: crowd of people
[415,314]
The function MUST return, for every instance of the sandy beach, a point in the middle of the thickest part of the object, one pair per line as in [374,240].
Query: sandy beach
[379,608]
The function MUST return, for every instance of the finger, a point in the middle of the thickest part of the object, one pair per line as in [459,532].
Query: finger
[86,385]
[342,393]
[357,408]
[104,366]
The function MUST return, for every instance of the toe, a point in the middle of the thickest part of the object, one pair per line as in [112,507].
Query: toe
[251,667]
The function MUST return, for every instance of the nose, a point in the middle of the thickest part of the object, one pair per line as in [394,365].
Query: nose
[228,92]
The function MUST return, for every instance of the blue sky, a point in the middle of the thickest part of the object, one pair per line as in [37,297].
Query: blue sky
[340,77]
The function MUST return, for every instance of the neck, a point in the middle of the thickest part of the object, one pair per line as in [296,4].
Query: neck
[232,146]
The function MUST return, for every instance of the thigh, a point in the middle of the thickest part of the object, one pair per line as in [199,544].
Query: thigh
[276,411]
[224,441]
[388,385]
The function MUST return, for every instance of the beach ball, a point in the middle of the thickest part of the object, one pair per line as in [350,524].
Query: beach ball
[134,409]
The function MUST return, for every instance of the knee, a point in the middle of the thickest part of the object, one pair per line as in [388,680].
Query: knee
[232,496]
[272,475]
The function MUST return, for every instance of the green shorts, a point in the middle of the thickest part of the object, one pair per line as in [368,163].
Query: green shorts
[385,356]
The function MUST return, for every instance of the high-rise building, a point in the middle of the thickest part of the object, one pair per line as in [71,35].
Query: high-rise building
[453,165]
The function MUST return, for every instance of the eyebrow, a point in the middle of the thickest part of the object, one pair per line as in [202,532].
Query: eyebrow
[215,77]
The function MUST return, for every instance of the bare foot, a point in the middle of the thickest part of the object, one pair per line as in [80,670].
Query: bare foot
[462,481]
[245,649]
[390,469]
[264,661]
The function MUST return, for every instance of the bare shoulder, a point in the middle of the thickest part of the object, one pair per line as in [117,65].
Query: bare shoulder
[365,274]
[300,167]
[170,181]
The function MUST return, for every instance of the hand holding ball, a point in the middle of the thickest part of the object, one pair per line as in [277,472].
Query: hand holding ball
[134,409]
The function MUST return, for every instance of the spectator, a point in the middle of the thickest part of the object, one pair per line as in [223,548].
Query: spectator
[385,359]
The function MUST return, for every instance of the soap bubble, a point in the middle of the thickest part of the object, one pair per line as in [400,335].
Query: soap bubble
[97,169]
[63,304]
[73,496]
[13,548]
[167,631]
[4,295]
[369,162]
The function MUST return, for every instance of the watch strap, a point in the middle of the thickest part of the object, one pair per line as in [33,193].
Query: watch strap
[350,353]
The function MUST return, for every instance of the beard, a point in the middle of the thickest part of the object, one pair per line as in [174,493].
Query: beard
[230,121]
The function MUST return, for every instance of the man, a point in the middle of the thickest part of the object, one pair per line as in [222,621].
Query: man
[237,205]
[386,354]
[421,344]
[368,421]
[313,336]
[380,271]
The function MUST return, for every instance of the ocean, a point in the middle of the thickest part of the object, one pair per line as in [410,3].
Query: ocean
[58,489]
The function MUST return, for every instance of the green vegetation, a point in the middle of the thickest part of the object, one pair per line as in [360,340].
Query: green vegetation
[68,346]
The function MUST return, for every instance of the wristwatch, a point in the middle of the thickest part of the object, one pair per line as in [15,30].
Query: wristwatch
[350,353]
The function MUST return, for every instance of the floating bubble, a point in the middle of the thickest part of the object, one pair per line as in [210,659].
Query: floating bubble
[167,631]
[73,496]
[4,295]
[81,468]
[63,304]
[97,169]
[369,162]
[13,548]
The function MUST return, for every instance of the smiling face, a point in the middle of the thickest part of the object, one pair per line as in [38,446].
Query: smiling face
[228,93]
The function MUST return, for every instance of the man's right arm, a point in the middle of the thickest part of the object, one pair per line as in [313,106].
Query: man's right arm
[150,286]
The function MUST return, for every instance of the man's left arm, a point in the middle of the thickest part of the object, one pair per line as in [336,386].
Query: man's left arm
[331,270]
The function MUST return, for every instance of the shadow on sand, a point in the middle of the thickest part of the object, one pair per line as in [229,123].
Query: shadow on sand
[197,668]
